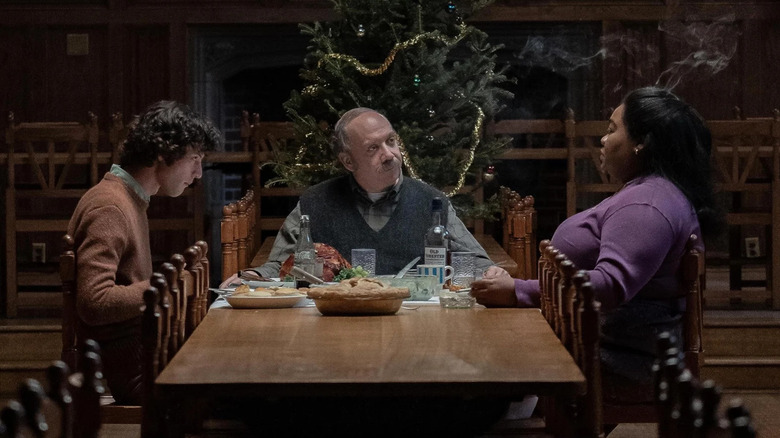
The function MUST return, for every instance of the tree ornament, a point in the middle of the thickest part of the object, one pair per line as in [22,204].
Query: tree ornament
[361,31]
[451,7]
[431,112]
[429,138]
[489,174]
[417,80]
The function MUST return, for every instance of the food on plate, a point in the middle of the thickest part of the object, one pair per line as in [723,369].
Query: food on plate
[243,289]
[358,288]
[348,273]
[332,262]
[273,291]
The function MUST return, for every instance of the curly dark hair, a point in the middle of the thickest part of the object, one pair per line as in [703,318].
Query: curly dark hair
[165,129]
[677,146]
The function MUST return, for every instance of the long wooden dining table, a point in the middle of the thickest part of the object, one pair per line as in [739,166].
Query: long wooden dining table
[421,351]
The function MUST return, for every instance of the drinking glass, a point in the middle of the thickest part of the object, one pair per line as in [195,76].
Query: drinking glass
[365,258]
[463,266]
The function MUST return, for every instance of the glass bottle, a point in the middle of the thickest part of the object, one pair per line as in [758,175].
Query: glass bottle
[304,251]
[437,238]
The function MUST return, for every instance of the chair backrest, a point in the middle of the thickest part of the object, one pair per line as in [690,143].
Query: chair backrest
[194,283]
[51,149]
[518,218]
[687,407]
[228,240]
[68,278]
[583,162]
[692,273]
[68,408]
[238,237]
[570,307]
[74,348]
[152,327]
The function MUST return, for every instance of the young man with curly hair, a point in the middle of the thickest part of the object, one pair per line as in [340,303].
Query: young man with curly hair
[161,156]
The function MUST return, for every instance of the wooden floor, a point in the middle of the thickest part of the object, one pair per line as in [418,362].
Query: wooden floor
[764,408]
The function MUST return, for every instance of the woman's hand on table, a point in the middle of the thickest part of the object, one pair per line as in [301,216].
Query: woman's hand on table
[495,289]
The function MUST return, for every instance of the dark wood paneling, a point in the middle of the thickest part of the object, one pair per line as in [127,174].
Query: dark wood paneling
[761,70]
[15,88]
[147,68]
[704,65]
[41,82]
[632,59]
[70,81]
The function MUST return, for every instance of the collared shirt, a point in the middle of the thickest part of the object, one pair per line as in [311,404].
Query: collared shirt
[129,180]
[376,215]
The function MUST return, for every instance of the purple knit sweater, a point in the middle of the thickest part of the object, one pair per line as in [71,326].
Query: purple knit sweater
[631,243]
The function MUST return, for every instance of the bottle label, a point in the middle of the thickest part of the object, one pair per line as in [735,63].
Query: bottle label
[435,255]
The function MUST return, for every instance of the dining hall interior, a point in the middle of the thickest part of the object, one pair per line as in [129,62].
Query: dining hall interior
[75,73]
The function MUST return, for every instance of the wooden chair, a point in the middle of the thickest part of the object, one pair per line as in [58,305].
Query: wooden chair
[182,305]
[69,407]
[688,408]
[565,297]
[263,140]
[238,237]
[692,274]
[569,305]
[583,163]
[45,160]
[193,272]
[73,347]
[518,218]
[747,170]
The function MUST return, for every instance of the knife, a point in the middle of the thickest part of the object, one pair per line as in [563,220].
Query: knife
[406,268]
[311,277]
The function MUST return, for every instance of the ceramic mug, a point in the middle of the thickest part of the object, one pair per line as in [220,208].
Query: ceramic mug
[441,272]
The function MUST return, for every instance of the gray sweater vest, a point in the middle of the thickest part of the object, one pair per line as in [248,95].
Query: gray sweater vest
[336,221]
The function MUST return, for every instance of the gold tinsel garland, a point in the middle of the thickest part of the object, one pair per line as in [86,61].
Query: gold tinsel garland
[351,60]
[474,142]
[365,71]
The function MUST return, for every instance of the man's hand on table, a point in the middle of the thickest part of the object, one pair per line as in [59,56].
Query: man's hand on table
[244,274]
[495,289]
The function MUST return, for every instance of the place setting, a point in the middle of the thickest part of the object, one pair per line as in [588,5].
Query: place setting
[253,294]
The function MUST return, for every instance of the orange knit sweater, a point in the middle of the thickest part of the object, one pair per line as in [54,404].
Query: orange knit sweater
[113,257]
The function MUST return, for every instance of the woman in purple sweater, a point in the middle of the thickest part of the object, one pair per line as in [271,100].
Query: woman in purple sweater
[631,243]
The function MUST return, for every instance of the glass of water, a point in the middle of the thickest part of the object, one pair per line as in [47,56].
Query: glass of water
[463,267]
[365,258]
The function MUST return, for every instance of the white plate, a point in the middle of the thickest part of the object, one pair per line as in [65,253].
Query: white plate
[279,302]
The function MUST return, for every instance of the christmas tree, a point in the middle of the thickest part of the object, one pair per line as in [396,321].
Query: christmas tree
[418,63]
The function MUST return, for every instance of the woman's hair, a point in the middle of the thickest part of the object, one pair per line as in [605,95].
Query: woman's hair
[677,146]
[166,129]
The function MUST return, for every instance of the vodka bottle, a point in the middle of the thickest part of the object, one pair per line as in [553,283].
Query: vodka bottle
[304,251]
[437,238]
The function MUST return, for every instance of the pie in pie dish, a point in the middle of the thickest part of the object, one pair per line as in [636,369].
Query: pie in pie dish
[359,288]
[358,296]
